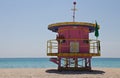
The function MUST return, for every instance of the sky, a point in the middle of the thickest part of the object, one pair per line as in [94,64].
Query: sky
[24,24]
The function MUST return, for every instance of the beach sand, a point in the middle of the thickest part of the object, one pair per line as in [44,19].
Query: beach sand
[53,73]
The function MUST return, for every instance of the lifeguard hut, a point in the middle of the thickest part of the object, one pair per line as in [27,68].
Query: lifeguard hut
[72,47]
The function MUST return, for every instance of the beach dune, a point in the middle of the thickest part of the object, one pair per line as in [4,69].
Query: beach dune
[53,73]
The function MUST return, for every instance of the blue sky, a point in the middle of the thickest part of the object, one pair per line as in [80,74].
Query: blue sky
[23,24]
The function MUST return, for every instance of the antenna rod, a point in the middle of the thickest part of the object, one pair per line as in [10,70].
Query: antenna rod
[74,9]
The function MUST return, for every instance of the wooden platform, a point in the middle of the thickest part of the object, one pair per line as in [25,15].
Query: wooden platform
[73,54]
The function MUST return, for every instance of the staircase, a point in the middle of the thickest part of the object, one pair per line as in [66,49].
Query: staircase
[54,60]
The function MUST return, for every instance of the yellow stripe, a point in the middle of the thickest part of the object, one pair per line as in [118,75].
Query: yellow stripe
[74,54]
[72,23]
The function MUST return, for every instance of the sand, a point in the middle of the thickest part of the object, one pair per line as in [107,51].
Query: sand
[53,73]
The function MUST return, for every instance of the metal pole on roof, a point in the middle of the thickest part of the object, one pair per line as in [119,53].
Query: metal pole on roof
[74,9]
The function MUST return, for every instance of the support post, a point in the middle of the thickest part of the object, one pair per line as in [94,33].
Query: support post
[76,62]
[59,63]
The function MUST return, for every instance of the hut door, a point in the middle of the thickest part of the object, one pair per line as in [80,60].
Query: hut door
[74,46]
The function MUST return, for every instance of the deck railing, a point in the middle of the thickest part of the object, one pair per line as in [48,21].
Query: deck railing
[52,47]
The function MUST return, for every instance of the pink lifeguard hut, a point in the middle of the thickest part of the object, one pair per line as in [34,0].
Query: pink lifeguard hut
[72,47]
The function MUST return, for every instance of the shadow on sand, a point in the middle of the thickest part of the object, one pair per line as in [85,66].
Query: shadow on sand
[75,72]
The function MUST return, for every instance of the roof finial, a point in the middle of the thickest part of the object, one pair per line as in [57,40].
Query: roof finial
[74,9]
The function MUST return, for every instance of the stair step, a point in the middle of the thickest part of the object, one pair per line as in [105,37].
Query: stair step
[54,60]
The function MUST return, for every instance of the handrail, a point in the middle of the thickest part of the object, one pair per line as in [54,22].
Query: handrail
[52,45]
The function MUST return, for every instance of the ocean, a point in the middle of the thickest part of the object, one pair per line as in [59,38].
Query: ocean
[45,63]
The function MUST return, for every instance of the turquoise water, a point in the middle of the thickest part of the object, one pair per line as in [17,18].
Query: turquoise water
[45,63]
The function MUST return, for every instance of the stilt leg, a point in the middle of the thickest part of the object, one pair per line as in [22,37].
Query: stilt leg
[76,62]
[59,63]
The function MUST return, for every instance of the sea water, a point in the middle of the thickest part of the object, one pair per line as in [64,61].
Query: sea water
[45,63]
